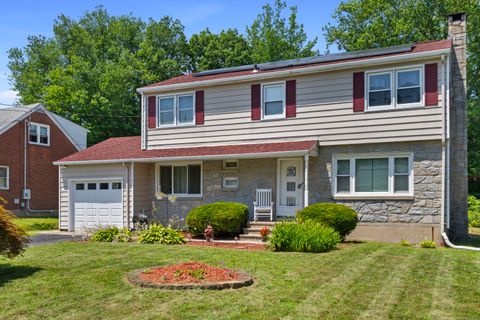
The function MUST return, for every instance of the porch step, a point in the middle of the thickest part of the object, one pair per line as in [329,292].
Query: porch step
[252,232]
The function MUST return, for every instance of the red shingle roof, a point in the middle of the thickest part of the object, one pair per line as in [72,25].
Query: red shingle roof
[128,148]
[416,48]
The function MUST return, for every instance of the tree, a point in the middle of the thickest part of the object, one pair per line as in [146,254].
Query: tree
[208,50]
[89,70]
[365,24]
[273,38]
[13,239]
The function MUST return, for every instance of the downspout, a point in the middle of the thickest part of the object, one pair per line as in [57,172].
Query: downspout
[444,169]
[127,187]
[305,184]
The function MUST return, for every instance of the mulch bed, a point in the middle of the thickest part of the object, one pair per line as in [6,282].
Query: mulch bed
[189,275]
[228,245]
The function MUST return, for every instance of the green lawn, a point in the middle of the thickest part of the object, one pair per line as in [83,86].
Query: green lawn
[360,281]
[32,225]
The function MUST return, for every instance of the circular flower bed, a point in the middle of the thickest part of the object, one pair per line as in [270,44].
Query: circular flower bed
[189,275]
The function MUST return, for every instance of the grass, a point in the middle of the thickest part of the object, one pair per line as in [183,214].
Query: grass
[33,225]
[360,281]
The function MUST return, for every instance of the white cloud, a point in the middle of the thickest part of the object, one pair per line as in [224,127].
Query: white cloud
[8,96]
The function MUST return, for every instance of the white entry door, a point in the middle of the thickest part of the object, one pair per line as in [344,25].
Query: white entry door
[290,188]
[97,203]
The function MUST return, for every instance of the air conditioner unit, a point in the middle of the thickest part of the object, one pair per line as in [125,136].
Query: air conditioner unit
[27,194]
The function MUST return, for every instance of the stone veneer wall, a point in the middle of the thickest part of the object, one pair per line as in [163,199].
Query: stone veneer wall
[424,208]
[251,173]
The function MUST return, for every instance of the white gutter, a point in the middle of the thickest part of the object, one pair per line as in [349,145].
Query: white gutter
[300,70]
[187,158]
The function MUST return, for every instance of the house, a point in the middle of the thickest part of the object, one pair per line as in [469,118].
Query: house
[382,131]
[28,178]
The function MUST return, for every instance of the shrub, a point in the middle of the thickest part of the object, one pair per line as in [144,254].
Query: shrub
[427,244]
[405,243]
[338,216]
[309,236]
[105,234]
[13,239]
[156,233]
[473,211]
[34,224]
[123,235]
[224,217]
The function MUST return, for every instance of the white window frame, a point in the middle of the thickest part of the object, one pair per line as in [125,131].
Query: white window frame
[391,170]
[284,102]
[178,164]
[39,125]
[176,110]
[224,165]
[224,182]
[7,186]
[393,88]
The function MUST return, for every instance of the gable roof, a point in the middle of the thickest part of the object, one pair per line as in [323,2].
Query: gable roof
[12,115]
[127,149]
[303,65]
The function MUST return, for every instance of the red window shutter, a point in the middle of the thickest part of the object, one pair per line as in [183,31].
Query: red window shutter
[199,102]
[431,84]
[256,113]
[291,111]
[152,112]
[358,91]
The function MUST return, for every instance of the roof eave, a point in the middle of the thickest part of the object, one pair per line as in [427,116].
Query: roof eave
[302,70]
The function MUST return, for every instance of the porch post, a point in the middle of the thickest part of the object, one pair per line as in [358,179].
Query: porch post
[305,184]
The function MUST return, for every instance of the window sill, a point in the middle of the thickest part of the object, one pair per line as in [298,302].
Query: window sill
[398,108]
[230,189]
[374,197]
[39,144]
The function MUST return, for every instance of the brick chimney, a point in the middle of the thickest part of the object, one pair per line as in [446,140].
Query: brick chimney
[457,31]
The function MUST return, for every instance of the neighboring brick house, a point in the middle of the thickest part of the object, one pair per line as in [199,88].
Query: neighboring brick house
[26,162]
[371,129]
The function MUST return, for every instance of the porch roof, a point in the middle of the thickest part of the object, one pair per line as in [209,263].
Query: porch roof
[127,149]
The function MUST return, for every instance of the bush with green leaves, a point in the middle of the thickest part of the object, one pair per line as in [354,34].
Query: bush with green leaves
[473,211]
[123,235]
[226,218]
[105,234]
[338,216]
[309,236]
[13,239]
[429,244]
[405,243]
[156,233]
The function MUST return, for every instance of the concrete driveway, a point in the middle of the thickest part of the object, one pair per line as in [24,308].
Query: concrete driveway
[48,237]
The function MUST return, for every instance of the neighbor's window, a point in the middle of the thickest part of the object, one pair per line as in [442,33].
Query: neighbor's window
[180,179]
[373,175]
[39,134]
[379,89]
[273,101]
[4,177]
[409,86]
[176,110]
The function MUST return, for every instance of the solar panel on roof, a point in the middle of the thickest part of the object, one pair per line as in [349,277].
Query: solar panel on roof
[312,60]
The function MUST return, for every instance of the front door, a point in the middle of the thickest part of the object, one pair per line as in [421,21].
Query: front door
[290,187]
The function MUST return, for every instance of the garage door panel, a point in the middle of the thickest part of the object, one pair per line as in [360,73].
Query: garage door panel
[99,207]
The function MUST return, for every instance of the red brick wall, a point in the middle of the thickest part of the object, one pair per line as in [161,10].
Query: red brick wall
[42,175]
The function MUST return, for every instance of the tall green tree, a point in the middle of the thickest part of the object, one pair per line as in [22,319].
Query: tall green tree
[274,37]
[365,24]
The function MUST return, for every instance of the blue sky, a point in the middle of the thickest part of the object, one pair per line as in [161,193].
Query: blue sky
[19,18]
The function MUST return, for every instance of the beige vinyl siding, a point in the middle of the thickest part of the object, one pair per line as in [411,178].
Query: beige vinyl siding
[324,112]
[89,172]
[144,187]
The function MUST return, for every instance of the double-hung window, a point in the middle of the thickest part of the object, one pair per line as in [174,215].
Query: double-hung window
[373,175]
[176,110]
[180,179]
[39,133]
[273,105]
[4,177]
[395,88]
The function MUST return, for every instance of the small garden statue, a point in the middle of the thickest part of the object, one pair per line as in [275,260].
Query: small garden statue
[208,233]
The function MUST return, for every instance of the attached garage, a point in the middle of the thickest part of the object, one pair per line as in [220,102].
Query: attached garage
[96,203]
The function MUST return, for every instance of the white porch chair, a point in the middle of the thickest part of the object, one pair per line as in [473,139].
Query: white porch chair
[263,206]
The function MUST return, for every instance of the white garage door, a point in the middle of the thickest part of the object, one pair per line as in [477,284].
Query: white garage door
[97,203]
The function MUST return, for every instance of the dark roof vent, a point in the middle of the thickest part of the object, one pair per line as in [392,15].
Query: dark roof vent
[458,16]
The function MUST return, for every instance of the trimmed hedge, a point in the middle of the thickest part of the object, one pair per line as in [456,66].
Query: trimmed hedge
[226,218]
[309,236]
[338,216]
